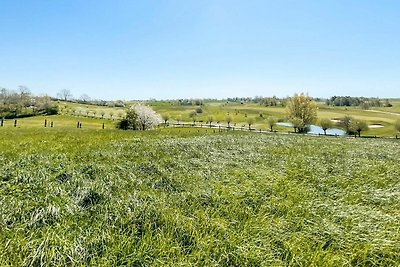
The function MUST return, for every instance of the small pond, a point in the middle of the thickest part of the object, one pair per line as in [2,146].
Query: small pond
[314,129]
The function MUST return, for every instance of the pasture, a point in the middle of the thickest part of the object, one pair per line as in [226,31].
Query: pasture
[240,113]
[185,197]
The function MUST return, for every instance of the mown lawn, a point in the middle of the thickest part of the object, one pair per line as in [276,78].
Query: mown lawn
[82,197]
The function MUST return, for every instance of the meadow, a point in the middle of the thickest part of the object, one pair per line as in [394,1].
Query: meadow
[191,197]
[219,110]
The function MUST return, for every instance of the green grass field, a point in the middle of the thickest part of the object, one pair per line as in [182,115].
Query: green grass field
[187,197]
[219,110]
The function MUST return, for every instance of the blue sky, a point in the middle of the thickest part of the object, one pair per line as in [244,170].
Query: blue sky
[126,49]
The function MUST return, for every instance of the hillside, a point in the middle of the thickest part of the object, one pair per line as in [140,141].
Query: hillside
[173,197]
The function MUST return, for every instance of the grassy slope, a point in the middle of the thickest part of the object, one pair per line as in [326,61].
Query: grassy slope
[173,197]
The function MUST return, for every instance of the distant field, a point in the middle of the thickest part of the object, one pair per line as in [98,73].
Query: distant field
[187,197]
[240,113]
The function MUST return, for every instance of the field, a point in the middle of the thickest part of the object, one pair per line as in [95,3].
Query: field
[219,110]
[187,197]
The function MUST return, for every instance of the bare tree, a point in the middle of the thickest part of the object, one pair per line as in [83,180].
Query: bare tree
[85,98]
[65,94]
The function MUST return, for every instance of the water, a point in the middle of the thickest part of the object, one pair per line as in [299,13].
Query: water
[315,129]
[286,124]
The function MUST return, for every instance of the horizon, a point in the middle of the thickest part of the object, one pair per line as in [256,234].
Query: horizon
[191,50]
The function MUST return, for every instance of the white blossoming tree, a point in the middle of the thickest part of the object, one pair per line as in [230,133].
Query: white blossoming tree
[141,117]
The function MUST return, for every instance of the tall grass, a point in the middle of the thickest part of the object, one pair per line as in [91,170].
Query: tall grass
[174,198]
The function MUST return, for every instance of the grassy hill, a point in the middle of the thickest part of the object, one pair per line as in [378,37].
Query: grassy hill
[172,197]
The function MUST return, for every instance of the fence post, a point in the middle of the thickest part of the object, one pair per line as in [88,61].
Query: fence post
[51,125]
[103,125]
[2,122]
[45,122]
[15,123]
[77,125]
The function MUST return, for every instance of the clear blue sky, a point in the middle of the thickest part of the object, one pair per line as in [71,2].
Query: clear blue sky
[126,49]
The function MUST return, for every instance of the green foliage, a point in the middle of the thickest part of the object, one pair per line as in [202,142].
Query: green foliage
[325,124]
[271,121]
[358,126]
[301,111]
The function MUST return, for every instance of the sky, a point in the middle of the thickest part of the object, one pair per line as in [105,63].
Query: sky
[170,49]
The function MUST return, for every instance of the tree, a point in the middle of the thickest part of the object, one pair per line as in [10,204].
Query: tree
[165,118]
[397,125]
[298,125]
[111,114]
[346,123]
[85,98]
[271,121]
[141,117]
[302,108]
[250,121]
[193,115]
[325,124]
[358,126]
[210,120]
[65,94]
[229,120]
[102,114]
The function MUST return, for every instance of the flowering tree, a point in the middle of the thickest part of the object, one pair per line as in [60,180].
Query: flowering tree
[140,117]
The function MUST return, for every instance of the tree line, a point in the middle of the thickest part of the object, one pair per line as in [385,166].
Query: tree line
[22,103]
[363,102]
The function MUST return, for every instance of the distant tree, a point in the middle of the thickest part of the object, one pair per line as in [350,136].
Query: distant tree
[193,116]
[111,114]
[271,121]
[129,122]
[165,118]
[250,121]
[94,113]
[229,120]
[146,118]
[210,120]
[397,125]
[102,114]
[298,125]
[346,123]
[325,124]
[358,126]
[199,110]
[65,94]
[302,108]
[85,98]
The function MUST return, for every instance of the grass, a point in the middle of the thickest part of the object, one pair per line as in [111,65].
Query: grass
[240,113]
[185,197]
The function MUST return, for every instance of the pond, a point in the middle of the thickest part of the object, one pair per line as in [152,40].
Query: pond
[315,129]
